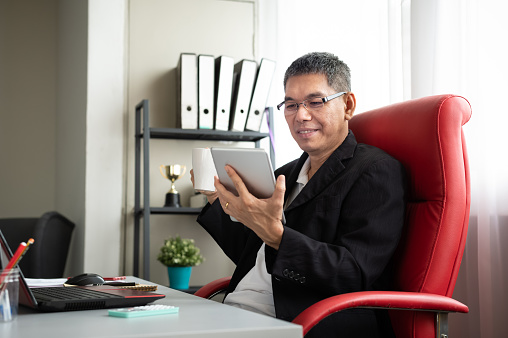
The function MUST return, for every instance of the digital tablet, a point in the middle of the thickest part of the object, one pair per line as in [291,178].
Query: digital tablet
[252,165]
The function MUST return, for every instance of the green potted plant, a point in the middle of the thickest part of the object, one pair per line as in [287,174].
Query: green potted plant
[179,255]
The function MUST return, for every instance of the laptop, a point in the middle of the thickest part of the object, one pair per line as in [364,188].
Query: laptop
[60,298]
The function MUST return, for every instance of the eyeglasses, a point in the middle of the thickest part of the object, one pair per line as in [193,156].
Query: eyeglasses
[313,104]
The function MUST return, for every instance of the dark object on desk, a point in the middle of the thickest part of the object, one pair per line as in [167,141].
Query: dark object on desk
[191,289]
[52,233]
[85,279]
[122,284]
[426,136]
[94,279]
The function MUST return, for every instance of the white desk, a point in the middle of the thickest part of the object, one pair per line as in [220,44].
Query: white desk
[197,318]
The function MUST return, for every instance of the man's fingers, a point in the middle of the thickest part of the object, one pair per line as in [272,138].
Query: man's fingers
[224,195]
[280,187]
[280,190]
[237,180]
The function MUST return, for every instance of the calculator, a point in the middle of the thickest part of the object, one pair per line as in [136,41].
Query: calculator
[143,311]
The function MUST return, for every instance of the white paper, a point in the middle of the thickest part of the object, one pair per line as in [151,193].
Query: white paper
[45,282]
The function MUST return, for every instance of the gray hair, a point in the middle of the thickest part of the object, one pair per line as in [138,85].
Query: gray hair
[336,71]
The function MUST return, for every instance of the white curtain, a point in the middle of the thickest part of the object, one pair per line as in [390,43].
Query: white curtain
[399,50]
[370,43]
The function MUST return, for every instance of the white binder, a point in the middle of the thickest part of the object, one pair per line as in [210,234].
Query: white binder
[223,90]
[244,77]
[260,94]
[206,76]
[187,78]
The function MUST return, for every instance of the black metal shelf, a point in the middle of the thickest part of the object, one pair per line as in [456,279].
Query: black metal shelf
[171,211]
[143,134]
[205,134]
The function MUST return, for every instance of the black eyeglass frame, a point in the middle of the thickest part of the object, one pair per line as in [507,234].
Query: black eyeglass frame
[324,99]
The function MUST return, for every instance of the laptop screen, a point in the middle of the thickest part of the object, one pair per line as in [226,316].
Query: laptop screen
[5,253]
[25,296]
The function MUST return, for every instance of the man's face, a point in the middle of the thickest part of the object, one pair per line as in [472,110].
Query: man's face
[319,132]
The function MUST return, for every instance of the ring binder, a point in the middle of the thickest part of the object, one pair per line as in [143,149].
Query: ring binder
[260,94]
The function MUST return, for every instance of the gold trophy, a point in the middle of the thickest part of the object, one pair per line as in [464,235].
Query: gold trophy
[172,173]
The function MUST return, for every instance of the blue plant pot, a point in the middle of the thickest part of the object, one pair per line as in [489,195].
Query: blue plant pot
[179,277]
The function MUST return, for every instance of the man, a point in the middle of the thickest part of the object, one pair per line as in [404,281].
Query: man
[344,209]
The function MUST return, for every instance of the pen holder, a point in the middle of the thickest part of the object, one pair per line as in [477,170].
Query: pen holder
[9,291]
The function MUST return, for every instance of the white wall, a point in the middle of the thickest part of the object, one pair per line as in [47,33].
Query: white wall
[27,107]
[71,89]
[105,132]
[90,131]
[159,30]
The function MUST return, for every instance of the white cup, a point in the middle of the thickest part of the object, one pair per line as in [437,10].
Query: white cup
[203,168]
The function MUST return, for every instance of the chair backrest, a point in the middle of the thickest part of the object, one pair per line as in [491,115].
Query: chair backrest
[426,136]
[52,234]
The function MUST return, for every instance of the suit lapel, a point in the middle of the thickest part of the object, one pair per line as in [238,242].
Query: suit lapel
[293,175]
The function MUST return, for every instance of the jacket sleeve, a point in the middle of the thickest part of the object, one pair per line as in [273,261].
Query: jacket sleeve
[367,227]
[230,236]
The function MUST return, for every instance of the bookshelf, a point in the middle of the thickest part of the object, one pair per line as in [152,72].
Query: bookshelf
[142,209]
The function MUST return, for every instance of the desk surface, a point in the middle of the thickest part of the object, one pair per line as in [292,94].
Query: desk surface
[197,318]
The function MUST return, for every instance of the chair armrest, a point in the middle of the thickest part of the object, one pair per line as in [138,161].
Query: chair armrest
[378,300]
[213,288]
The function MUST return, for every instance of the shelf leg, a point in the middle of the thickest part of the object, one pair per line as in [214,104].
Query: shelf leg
[146,192]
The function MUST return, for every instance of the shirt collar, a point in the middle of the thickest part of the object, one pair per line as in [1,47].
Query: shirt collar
[303,177]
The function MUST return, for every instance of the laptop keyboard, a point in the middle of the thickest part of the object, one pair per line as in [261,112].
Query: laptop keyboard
[68,293]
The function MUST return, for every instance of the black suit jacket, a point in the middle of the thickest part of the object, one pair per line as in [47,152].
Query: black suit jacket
[340,233]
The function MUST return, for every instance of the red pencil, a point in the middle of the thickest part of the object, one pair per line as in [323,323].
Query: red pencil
[22,248]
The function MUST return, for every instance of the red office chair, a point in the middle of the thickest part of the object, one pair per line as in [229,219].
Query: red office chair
[426,136]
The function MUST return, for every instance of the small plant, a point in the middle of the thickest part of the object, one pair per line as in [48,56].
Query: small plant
[179,252]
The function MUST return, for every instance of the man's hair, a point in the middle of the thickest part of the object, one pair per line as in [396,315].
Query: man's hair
[336,71]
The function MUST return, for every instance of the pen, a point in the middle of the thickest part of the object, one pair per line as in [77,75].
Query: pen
[114,278]
[17,254]
[5,305]
[120,283]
